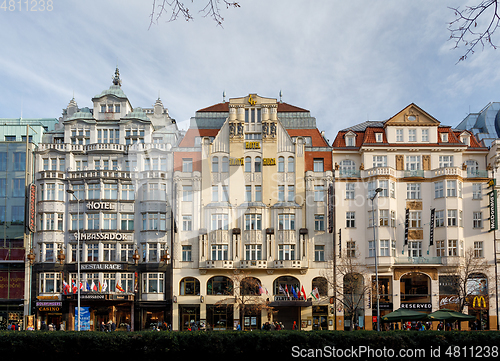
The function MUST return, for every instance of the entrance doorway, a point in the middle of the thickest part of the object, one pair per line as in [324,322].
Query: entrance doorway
[287,315]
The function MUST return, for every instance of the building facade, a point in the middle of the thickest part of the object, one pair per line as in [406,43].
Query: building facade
[250,182]
[413,195]
[115,161]
[16,173]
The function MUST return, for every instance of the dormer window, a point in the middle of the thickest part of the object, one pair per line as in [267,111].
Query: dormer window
[444,137]
[350,139]
[379,137]
[465,138]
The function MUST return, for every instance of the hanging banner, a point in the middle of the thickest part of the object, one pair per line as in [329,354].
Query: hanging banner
[431,228]
[340,242]
[330,209]
[493,210]
[84,318]
[407,224]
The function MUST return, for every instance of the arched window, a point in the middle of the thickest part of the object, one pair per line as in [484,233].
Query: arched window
[258,165]
[219,285]
[189,286]
[281,164]
[251,286]
[225,164]
[347,167]
[215,164]
[321,285]
[248,164]
[285,283]
[291,165]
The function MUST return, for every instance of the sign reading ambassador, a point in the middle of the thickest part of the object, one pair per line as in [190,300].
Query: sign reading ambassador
[96,236]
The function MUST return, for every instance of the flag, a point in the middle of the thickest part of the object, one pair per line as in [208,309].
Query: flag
[282,290]
[88,286]
[315,293]
[294,293]
[286,289]
[304,293]
[100,286]
[75,289]
[261,290]
[93,287]
[66,288]
[104,286]
[119,288]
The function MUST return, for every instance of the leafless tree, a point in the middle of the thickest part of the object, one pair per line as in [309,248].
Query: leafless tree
[465,275]
[475,25]
[350,285]
[178,8]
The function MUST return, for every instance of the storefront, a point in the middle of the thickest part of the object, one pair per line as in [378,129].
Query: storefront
[189,314]
[220,317]
[320,318]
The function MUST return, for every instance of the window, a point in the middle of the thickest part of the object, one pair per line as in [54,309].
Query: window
[47,252]
[413,162]
[371,249]
[347,167]
[445,161]
[444,137]
[225,164]
[153,221]
[248,193]
[281,164]
[109,252]
[152,282]
[384,248]
[286,252]
[319,193]
[399,135]
[258,194]
[319,253]
[286,222]
[478,249]
[219,252]
[187,222]
[19,161]
[187,164]
[50,283]
[452,248]
[186,253]
[415,248]
[75,222]
[477,219]
[94,191]
[219,222]
[318,165]
[379,137]
[189,286]
[438,189]
[253,222]
[253,252]
[439,218]
[379,161]
[440,251]
[319,222]
[349,190]
[215,193]
[384,185]
[451,188]
[425,135]
[415,219]
[384,217]
[351,249]
[412,135]
[452,218]
[258,165]
[472,167]
[110,191]
[187,193]
[127,222]
[109,221]
[128,193]
[477,190]
[215,165]
[291,165]
[350,218]
[92,252]
[92,221]
[393,218]
[126,252]
[350,141]
[413,191]
[248,164]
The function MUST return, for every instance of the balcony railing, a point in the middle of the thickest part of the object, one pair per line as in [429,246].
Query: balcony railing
[413,173]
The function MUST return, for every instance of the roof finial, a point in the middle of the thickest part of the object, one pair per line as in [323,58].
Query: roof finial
[224,96]
[116,79]
[281,95]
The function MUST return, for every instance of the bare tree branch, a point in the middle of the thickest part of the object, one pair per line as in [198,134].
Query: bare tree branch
[177,8]
[467,28]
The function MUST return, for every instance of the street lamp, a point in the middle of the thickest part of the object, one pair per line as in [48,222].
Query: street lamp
[78,254]
[377,191]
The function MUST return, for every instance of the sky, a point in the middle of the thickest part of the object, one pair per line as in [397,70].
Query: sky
[344,61]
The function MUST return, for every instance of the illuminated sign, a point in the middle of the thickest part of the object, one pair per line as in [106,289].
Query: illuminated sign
[251,100]
[102,267]
[99,205]
[31,207]
[252,145]
[493,210]
[481,302]
[417,306]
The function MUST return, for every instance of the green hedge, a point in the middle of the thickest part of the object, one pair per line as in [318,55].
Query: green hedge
[230,344]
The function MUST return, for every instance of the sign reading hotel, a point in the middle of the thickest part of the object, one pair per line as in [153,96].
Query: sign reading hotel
[95,236]
[252,145]
[96,206]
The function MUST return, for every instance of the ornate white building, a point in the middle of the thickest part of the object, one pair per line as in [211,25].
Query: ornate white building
[420,169]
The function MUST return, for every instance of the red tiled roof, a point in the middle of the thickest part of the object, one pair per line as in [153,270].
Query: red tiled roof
[191,134]
[316,137]
[224,107]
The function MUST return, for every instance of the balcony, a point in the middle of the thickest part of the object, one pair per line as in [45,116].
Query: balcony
[348,173]
[218,264]
[380,171]
[418,260]
[478,174]
[287,264]
[414,173]
[253,264]
[114,174]
[447,171]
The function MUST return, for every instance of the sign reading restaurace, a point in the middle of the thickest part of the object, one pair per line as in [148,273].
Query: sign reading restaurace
[102,267]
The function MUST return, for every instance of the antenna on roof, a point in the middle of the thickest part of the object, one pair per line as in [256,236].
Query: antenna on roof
[224,96]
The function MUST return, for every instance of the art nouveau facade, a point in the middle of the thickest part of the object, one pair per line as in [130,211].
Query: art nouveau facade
[117,160]
[250,183]
[419,167]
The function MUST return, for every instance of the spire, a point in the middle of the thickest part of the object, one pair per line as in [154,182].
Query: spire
[116,79]
[281,96]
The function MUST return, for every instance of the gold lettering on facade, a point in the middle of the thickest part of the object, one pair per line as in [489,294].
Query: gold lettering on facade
[252,145]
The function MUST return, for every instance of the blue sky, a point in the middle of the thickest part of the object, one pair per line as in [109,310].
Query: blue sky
[345,61]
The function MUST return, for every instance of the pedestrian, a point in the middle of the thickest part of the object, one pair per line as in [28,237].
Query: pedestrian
[103,326]
[294,327]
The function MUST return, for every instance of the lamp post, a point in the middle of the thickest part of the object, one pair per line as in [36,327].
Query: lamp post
[377,191]
[78,254]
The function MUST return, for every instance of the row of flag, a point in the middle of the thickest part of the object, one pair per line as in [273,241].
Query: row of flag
[96,287]
[296,292]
